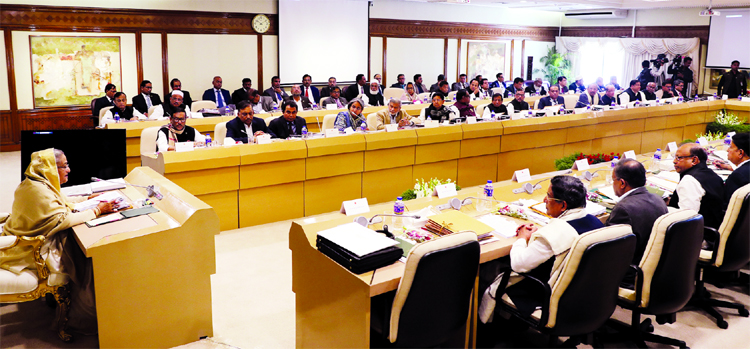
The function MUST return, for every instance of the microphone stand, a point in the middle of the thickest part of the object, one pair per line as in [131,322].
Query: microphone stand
[151,190]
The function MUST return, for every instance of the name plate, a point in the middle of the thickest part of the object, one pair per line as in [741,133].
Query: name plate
[710,98]
[391,127]
[630,154]
[580,110]
[348,131]
[354,207]
[522,175]
[672,147]
[229,141]
[446,123]
[702,141]
[471,119]
[581,165]
[263,139]
[445,190]
[184,146]
[724,97]
[331,106]
[431,123]
[332,132]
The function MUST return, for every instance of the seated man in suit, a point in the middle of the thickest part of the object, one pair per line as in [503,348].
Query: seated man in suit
[537,89]
[436,86]
[177,86]
[473,90]
[636,207]
[632,93]
[400,82]
[243,93]
[665,91]
[244,128]
[517,86]
[739,154]
[260,104]
[288,124]
[577,86]
[217,94]
[700,189]
[500,82]
[518,103]
[650,92]
[679,87]
[165,110]
[444,88]
[303,103]
[356,89]
[421,88]
[145,100]
[461,84]
[562,84]
[122,110]
[176,131]
[311,92]
[326,91]
[335,98]
[105,101]
[613,82]
[609,96]
[394,115]
[590,97]
[275,91]
[554,98]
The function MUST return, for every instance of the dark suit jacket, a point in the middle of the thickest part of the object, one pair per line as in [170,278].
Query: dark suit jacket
[530,89]
[456,87]
[306,103]
[100,103]
[240,95]
[510,92]
[397,85]
[351,92]
[325,92]
[547,101]
[185,98]
[236,129]
[266,103]
[313,91]
[209,95]
[435,87]
[279,127]
[640,209]
[271,93]
[739,178]
[139,103]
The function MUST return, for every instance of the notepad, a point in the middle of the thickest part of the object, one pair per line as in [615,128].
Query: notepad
[500,225]
[110,184]
[357,239]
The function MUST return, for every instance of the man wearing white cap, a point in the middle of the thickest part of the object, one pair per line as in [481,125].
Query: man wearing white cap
[577,86]
[164,111]
[536,89]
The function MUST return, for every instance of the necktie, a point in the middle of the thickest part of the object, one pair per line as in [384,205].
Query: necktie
[307,89]
[148,101]
[278,97]
[219,100]
[291,128]
[338,104]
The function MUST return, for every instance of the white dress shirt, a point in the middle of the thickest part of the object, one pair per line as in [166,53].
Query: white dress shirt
[158,113]
[108,118]
[524,258]
[691,193]
[162,143]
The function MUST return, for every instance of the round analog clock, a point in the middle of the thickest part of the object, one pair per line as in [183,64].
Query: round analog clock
[261,23]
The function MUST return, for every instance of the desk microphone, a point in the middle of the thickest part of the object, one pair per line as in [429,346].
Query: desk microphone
[318,120]
[151,190]
[362,220]
[529,188]
[467,200]
[590,175]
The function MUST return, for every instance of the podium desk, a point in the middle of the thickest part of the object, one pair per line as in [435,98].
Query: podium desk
[152,272]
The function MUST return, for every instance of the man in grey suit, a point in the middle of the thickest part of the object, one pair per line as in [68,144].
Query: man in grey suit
[637,207]
[260,104]
[275,91]
[335,96]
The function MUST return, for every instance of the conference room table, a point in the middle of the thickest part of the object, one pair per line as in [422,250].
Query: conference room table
[333,304]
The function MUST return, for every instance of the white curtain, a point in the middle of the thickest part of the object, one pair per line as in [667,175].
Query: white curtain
[621,57]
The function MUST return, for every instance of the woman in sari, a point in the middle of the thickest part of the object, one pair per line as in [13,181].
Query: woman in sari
[352,117]
[409,95]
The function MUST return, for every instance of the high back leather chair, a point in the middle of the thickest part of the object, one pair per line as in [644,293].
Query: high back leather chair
[422,96]
[431,305]
[104,111]
[328,121]
[198,105]
[148,140]
[220,133]
[583,295]
[392,92]
[450,96]
[730,253]
[480,109]
[665,276]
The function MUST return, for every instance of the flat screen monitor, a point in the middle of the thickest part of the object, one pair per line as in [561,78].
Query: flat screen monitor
[90,153]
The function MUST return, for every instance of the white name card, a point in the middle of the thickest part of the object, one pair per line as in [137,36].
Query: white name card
[391,127]
[332,132]
[580,110]
[724,97]
[672,146]
[263,139]
[184,146]
[702,141]
[522,175]
[445,190]
[446,123]
[354,207]
[348,131]
[517,116]
[471,119]
[431,123]
[581,165]
[331,106]
[630,154]
[229,141]
[710,98]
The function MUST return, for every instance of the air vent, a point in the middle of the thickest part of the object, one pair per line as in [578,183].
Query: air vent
[597,14]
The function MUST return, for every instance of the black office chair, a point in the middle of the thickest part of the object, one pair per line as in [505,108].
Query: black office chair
[582,297]
[731,252]
[431,305]
[665,278]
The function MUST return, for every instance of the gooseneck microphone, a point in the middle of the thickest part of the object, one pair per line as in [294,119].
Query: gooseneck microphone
[151,190]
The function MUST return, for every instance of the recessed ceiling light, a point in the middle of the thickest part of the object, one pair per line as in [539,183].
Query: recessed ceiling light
[734,16]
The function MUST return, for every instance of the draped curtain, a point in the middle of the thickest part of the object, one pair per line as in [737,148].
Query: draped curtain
[622,57]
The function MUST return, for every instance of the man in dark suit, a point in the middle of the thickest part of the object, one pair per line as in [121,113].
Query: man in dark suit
[177,86]
[335,98]
[245,127]
[400,81]
[326,91]
[358,88]
[242,94]
[517,86]
[303,103]
[536,89]
[311,92]
[554,98]
[421,88]
[275,91]
[145,99]
[289,123]
[105,101]
[436,86]
[461,84]
[739,154]
[217,94]
[637,207]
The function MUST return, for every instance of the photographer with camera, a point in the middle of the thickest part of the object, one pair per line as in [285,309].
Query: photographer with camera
[658,70]
[646,75]
[680,70]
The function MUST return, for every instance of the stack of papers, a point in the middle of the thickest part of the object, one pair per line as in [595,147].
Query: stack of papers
[110,184]
[665,181]
[357,239]
[77,190]
[500,224]
[120,202]
[455,221]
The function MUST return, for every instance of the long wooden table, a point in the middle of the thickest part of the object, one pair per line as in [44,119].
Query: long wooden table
[257,184]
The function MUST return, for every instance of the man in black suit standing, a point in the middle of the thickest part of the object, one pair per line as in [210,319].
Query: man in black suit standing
[242,94]
[326,91]
[245,127]
[176,85]
[400,82]
[311,92]
[275,91]
[105,101]
[739,154]
[289,123]
[146,99]
[217,94]
[358,88]
[637,206]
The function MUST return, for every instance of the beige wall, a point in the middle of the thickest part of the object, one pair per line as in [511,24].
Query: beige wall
[452,66]
[152,62]
[414,56]
[376,59]
[270,60]
[4,95]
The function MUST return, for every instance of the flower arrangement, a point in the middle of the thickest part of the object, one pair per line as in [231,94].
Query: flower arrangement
[512,211]
[711,136]
[417,236]
[424,189]
[568,161]
[727,122]
[593,197]
[729,119]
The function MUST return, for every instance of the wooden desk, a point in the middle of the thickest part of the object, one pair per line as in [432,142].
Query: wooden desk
[152,273]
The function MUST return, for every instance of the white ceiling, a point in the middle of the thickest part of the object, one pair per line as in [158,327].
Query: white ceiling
[572,5]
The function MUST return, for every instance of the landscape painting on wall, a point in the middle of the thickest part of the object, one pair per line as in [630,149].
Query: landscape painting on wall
[71,70]
[486,58]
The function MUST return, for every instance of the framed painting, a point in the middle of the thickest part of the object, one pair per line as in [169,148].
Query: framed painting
[487,58]
[73,70]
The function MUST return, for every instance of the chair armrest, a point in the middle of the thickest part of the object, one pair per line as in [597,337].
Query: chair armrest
[545,300]
[638,284]
[712,236]
[36,243]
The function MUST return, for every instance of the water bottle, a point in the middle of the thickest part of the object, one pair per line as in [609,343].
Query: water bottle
[561,111]
[398,209]
[363,127]
[637,104]
[680,100]
[484,204]
[304,131]
[492,116]
[716,96]
[208,140]
[696,97]
[117,117]
[727,141]
[613,104]
[614,162]
[428,118]
[425,99]
[656,160]
[454,98]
